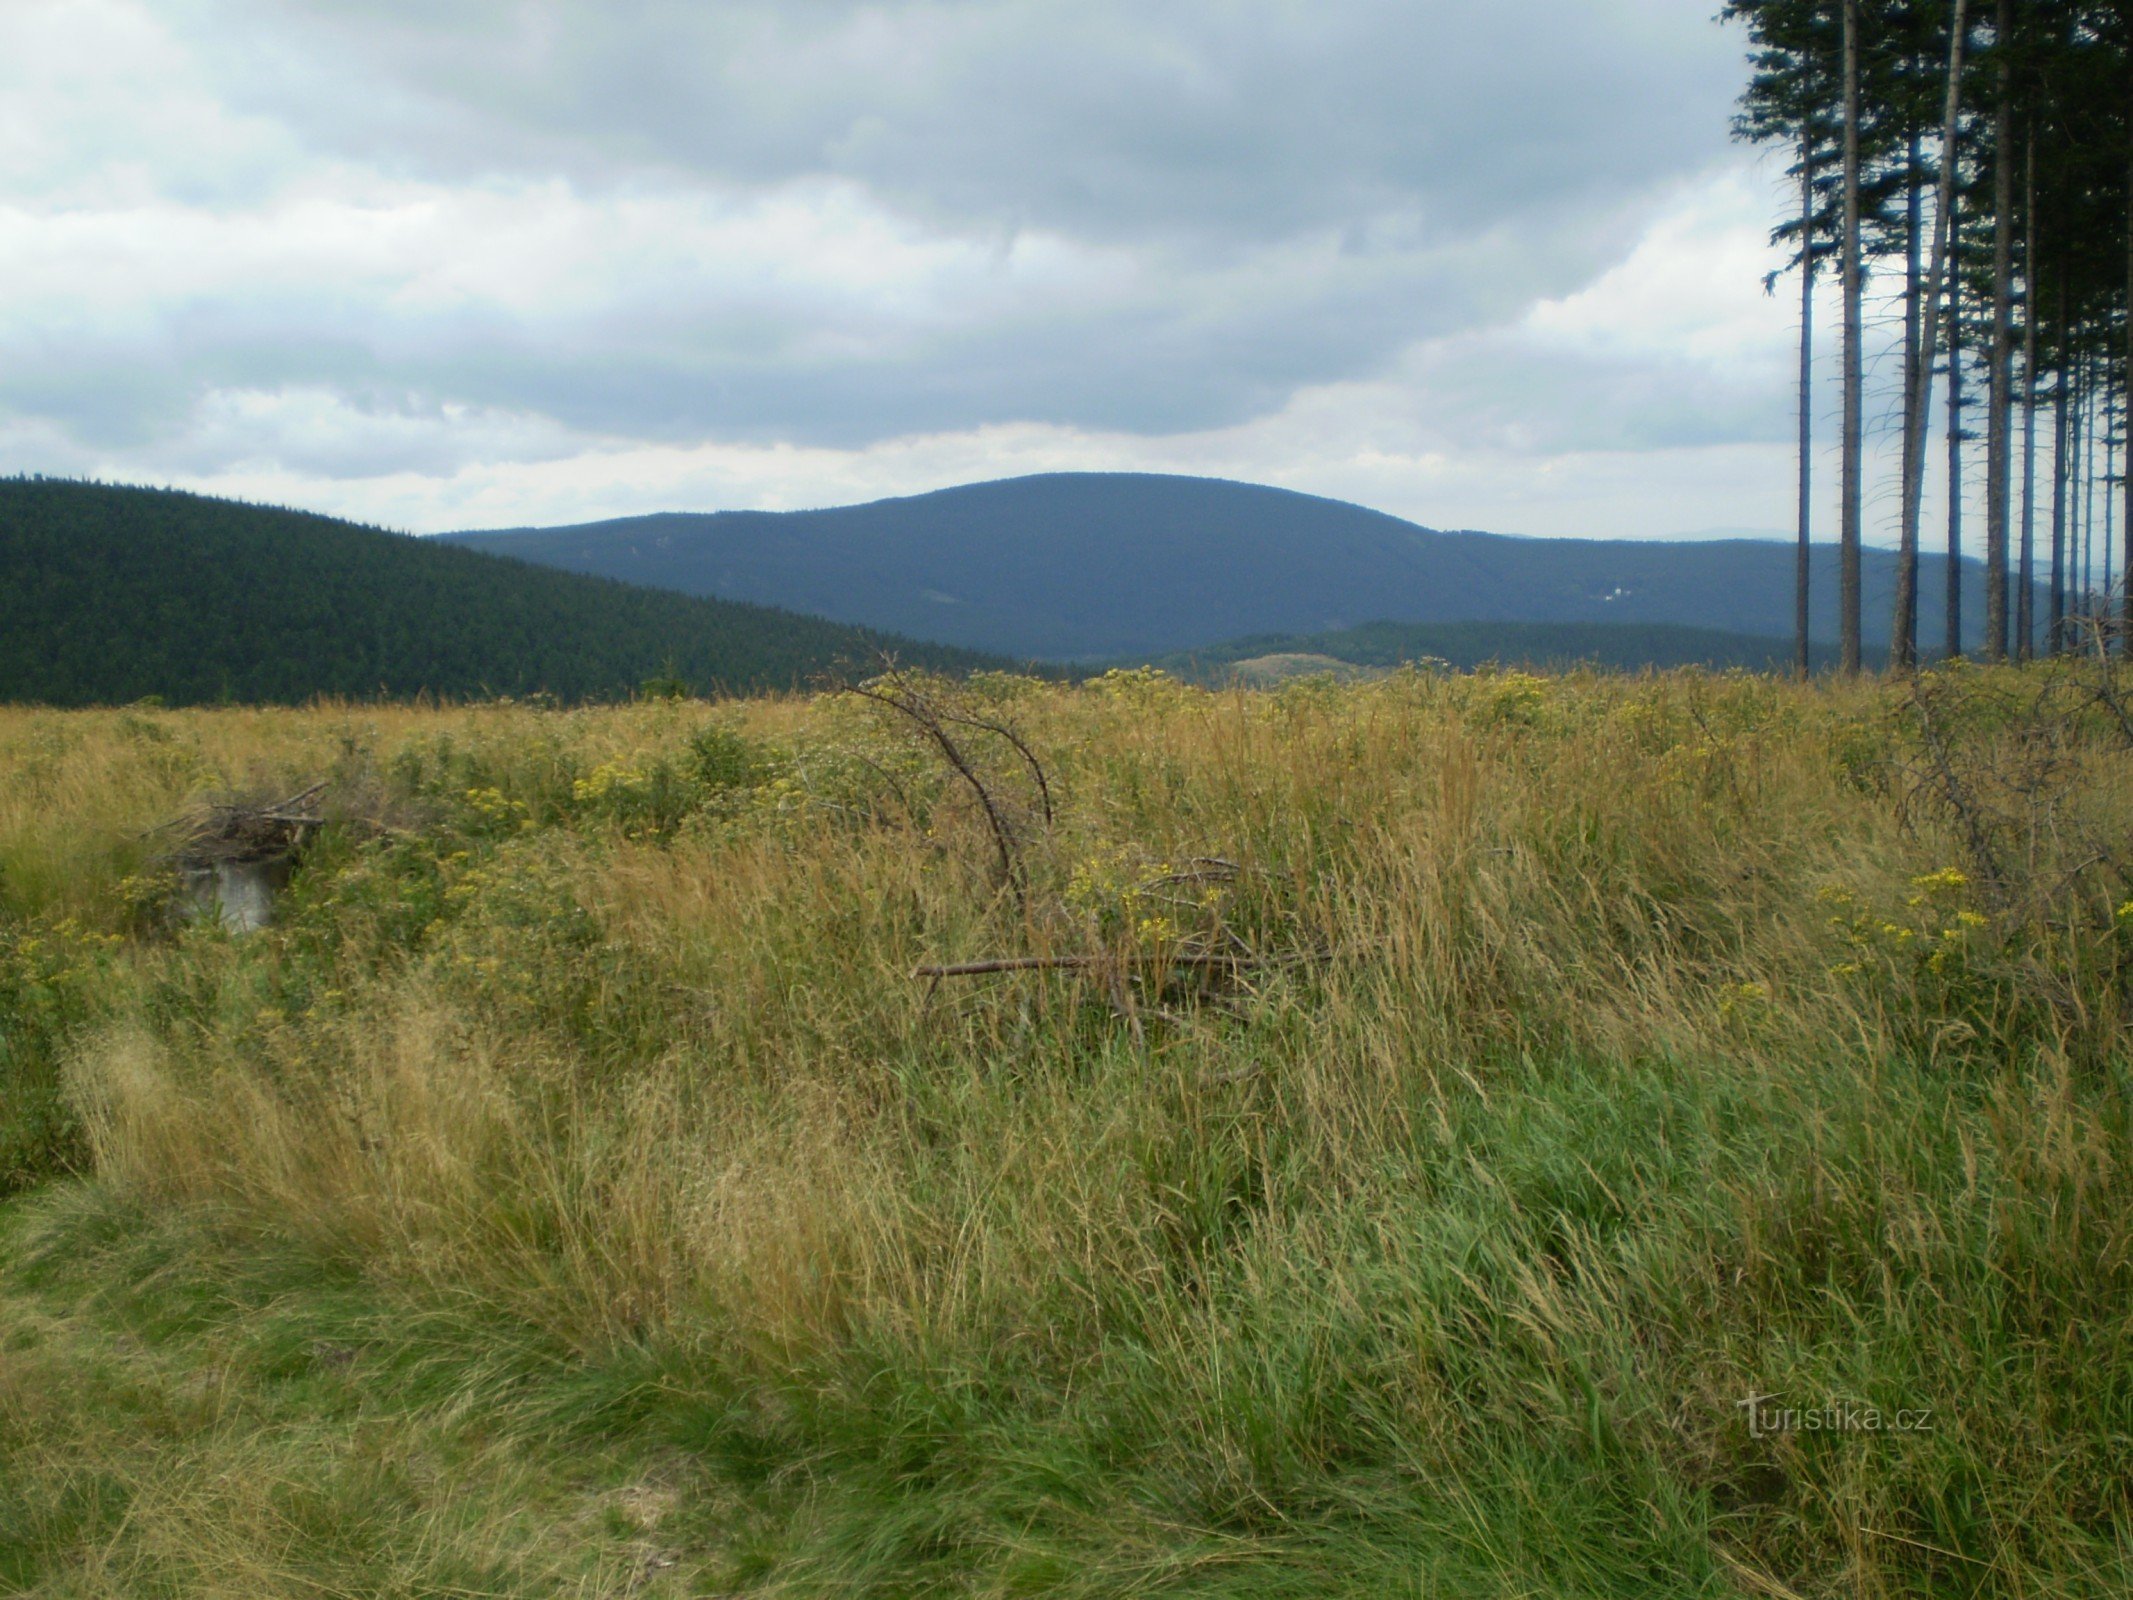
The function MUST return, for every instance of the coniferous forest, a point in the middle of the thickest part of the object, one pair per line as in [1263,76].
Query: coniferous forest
[112,594]
[1964,167]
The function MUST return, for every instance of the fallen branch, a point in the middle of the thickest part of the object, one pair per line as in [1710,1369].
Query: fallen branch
[300,797]
[971,969]
[1082,963]
[282,811]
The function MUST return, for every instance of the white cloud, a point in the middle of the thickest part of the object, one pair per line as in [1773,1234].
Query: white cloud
[1690,292]
[104,104]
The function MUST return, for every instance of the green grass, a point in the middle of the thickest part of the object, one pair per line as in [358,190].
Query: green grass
[176,1420]
[575,1193]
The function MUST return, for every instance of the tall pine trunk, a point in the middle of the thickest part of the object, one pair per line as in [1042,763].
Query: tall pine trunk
[2126,604]
[2077,555]
[1903,627]
[1803,560]
[2055,637]
[1918,379]
[1955,459]
[1998,435]
[2110,506]
[2025,592]
[1854,377]
[2088,491]
[2111,437]
[2085,493]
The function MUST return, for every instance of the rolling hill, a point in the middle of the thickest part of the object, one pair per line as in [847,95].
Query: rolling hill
[1100,565]
[109,594]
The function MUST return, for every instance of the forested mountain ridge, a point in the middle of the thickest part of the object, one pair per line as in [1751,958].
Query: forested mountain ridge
[109,594]
[1102,565]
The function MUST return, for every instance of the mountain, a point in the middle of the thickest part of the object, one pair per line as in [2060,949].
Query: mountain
[111,594]
[1097,565]
[1612,646]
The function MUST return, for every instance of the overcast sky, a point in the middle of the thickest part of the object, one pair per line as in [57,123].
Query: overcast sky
[454,263]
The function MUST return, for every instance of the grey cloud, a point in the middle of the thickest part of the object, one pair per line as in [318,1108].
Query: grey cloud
[1104,119]
[1181,345]
[1298,192]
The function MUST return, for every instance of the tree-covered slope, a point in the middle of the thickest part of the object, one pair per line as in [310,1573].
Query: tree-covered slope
[110,594]
[1096,565]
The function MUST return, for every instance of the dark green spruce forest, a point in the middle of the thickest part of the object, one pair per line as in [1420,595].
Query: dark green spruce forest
[110,594]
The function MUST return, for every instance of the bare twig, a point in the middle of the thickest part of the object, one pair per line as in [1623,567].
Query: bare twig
[933,719]
[1036,768]
[1085,963]
[929,723]
[1200,869]
[299,798]
[902,798]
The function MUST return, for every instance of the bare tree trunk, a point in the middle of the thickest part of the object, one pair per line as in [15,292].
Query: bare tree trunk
[1918,379]
[1955,460]
[1903,628]
[1804,559]
[1998,437]
[2088,492]
[1848,614]
[2126,606]
[2055,638]
[2085,493]
[2077,604]
[2110,505]
[2025,593]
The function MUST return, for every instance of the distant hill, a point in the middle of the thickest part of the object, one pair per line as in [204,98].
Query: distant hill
[1614,646]
[1106,565]
[110,594]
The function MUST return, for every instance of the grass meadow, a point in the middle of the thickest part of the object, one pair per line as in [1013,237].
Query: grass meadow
[1426,1111]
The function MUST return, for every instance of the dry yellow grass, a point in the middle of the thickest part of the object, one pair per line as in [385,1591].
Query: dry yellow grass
[1623,1047]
